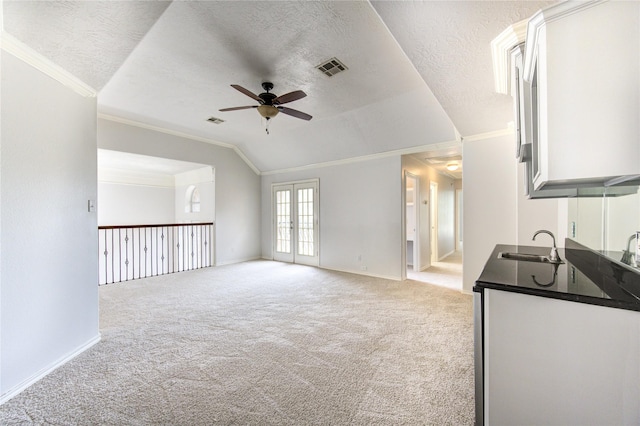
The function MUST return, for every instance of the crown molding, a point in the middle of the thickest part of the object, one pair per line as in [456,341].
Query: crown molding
[501,47]
[395,153]
[489,135]
[399,152]
[406,151]
[180,135]
[15,47]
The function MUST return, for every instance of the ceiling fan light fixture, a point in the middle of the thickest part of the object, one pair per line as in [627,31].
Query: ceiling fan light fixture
[452,167]
[268,111]
[271,104]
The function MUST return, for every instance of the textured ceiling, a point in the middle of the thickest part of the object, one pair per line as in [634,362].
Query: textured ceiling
[417,70]
[449,44]
[180,74]
[90,39]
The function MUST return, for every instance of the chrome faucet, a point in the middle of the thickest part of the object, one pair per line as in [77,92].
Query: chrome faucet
[554,250]
[627,256]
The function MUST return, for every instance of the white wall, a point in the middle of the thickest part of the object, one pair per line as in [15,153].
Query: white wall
[204,180]
[535,214]
[237,193]
[605,223]
[490,208]
[495,209]
[622,221]
[49,292]
[360,215]
[127,197]
[129,204]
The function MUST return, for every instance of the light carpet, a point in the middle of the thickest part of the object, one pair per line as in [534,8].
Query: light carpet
[446,273]
[266,343]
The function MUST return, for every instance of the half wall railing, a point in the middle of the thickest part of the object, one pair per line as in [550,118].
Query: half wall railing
[139,251]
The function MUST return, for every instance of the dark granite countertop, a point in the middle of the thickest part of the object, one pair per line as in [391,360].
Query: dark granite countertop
[586,276]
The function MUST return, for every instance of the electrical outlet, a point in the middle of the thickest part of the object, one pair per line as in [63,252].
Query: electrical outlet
[364,268]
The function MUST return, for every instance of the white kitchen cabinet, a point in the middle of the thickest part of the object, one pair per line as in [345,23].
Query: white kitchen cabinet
[550,361]
[521,93]
[582,65]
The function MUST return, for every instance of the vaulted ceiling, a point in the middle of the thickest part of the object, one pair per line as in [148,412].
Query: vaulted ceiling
[419,73]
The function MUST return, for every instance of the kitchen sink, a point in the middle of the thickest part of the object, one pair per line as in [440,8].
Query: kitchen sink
[528,257]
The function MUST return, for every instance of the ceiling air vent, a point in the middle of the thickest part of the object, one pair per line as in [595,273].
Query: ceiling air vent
[332,67]
[215,120]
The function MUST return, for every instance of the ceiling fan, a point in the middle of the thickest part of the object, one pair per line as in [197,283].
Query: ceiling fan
[270,104]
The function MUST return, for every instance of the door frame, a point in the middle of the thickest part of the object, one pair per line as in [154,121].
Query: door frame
[417,264]
[299,259]
[459,231]
[433,221]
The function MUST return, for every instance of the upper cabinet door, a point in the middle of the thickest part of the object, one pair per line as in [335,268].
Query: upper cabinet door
[519,99]
[582,67]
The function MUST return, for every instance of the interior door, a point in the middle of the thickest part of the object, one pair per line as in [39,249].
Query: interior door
[296,222]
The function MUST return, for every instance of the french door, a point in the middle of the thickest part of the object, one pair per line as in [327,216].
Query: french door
[295,213]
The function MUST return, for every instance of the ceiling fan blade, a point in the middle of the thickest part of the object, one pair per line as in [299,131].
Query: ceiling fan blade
[294,113]
[246,92]
[289,97]
[237,108]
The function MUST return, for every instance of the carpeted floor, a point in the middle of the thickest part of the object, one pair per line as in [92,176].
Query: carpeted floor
[266,343]
[445,273]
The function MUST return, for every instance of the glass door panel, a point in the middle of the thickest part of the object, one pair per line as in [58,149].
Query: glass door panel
[296,222]
[305,222]
[283,222]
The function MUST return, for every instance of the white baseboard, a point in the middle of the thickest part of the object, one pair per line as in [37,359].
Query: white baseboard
[446,255]
[234,261]
[40,374]
[365,273]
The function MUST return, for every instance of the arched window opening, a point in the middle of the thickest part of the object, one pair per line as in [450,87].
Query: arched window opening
[192,200]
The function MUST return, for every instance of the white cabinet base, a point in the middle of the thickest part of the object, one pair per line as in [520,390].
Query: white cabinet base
[550,361]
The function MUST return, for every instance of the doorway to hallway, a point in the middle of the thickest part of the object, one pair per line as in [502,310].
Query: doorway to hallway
[445,273]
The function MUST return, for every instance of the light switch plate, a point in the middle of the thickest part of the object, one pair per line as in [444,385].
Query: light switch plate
[91,205]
